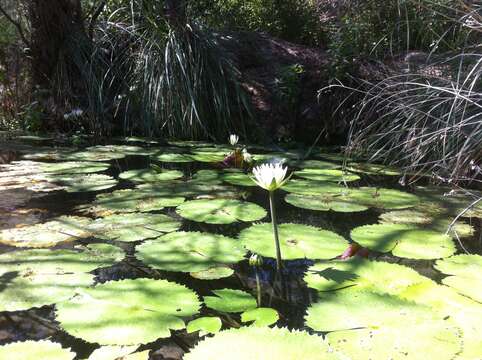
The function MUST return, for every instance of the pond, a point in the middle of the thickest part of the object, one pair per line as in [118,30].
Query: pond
[139,250]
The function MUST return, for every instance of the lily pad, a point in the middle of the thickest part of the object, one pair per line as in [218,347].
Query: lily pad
[173,157]
[238,178]
[427,340]
[318,164]
[60,261]
[207,176]
[150,175]
[136,311]
[134,226]
[209,157]
[214,273]
[205,325]
[311,187]
[114,353]
[427,220]
[38,289]
[465,271]
[93,155]
[352,309]
[373,169]
[326,175]
[83,183]
[123,149]
[220,211]
[383,198]
[262,343]
[135,200]
[362,274]
[190,251]
[297,241]
[35,350]
[260,316]
[73,167]
[323,203]
[230,301]
[51,233]
[406,241]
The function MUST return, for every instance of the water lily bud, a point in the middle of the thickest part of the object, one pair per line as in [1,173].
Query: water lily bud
[233,139]
[255,260]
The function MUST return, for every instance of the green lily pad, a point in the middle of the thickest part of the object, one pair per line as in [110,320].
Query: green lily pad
[134,226]
[190,251]
[427,340]
[193,188]
[150,175]
[406,241]
[205,325]
[311,187]
[83,183]
[135,200]
[352,309]
[238,178]
[207,177]
[93,156]
[73,167]
[51,233]
[465,271]
[373,169]
[260,316]
[464,312]
[173,157]
[61,261]
[136,311]
[297,241]
[209,157]
[214,273]
[220,211]
[326,175]
[428,220]
[323,203]
[39,289]
[389,199]
[362,274]
[123,149]
[114,353]
[317,164]
[35,350]
[230,301]
[262,343]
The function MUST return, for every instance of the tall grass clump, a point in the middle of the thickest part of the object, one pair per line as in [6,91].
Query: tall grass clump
[428,118]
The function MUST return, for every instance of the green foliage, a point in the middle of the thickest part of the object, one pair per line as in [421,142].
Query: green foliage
[205,325]
[260,316]
[292,20]
[367,29]
[230,301]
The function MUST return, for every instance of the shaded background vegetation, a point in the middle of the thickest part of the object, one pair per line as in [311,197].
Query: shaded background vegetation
[396,77]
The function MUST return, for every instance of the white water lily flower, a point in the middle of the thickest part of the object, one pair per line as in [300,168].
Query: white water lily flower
[233,139]
[270,176]
[247,157]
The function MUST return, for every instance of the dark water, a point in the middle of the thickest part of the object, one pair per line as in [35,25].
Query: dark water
[291,300]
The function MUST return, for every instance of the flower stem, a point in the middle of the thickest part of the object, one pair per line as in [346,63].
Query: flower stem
[275,230]
[258,287]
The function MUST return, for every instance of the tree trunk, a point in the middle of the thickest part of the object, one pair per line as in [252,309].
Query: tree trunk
[54,23]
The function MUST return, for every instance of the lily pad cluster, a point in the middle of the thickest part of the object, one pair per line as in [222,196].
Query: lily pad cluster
[372,308]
